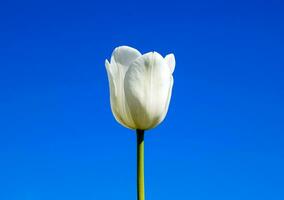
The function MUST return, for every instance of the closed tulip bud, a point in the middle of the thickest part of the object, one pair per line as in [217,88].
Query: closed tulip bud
[140,87]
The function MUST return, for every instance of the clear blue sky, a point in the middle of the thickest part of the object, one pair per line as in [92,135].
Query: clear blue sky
[221,140]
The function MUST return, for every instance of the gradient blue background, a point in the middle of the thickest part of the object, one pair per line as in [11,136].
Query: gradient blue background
[223,135]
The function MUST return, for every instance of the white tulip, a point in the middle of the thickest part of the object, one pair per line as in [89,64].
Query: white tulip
[140,87]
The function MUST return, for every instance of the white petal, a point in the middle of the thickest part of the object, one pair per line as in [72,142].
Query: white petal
[168,100]
[121,58]
[113,93]
[170,59]
[110,77]
[147,86]
[124,56]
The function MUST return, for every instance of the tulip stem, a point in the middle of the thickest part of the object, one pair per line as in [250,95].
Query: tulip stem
[140,165]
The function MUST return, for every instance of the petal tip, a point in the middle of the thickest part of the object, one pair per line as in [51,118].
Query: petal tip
[171,61]
[107,63]
[124,47]
[124,55]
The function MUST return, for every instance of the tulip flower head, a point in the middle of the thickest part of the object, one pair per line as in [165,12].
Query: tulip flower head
[140,87]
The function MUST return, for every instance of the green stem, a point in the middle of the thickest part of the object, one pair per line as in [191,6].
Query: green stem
[140,165]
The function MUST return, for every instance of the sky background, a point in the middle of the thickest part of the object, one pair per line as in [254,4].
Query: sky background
[221,140]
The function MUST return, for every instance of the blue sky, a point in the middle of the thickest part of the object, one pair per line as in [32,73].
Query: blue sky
[223,135]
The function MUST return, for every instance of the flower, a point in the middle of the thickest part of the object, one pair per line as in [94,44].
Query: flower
[140,87]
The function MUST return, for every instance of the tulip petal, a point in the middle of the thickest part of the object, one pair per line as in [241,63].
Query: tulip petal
[170,59]
[121,58]
[113,93]
[147,85]
[168,99]
[124,56]
[110,76]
